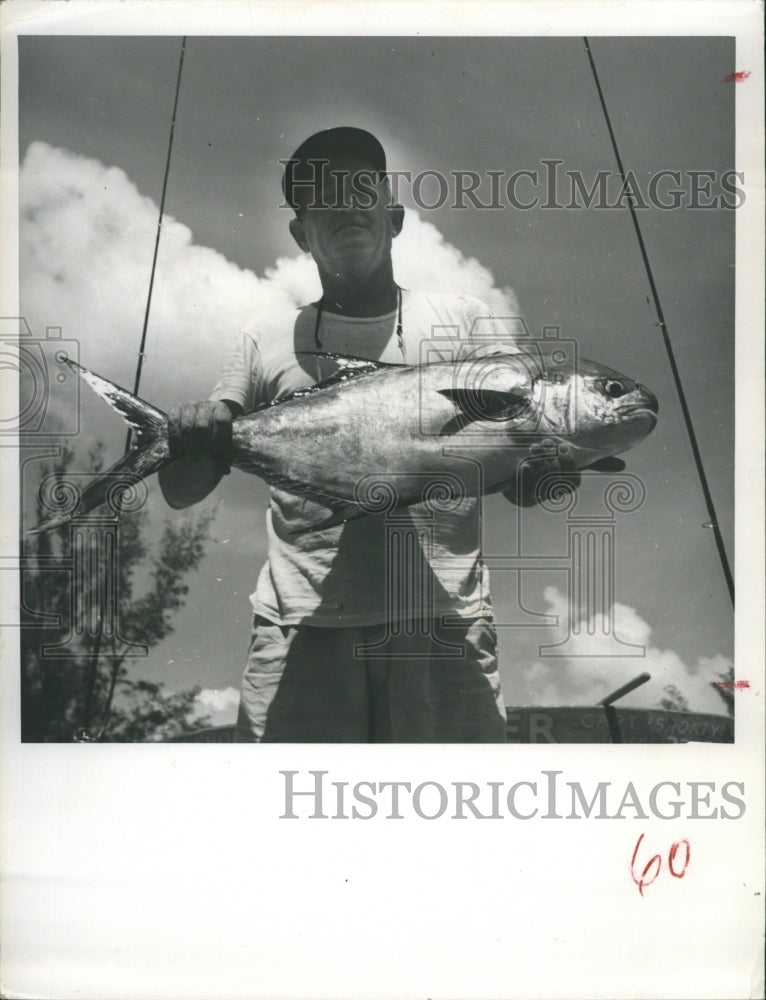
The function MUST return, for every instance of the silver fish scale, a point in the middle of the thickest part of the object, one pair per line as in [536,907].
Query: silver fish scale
[390,423]
[402,424]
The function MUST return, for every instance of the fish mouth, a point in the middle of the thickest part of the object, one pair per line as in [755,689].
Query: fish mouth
[639,409]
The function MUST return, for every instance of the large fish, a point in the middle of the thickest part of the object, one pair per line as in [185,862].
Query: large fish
[370,420]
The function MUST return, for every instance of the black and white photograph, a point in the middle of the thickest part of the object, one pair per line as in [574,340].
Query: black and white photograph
[391,380]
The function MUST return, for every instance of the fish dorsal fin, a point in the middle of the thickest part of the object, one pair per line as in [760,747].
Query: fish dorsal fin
[351,362]
[348,368]
[306,390]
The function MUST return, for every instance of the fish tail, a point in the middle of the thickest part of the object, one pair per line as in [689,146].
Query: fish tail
[149,449]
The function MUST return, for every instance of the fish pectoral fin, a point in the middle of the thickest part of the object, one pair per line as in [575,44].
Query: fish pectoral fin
[609,464]
[487,404]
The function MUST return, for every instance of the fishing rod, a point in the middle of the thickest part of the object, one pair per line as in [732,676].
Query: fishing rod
[84,734]
[712,521]
[141,351]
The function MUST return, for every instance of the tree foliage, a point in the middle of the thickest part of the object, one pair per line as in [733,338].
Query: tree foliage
[724,687]
[673,700]
[71,667]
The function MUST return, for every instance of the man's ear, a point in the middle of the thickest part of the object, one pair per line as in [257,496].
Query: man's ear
[397,218]
[298,234]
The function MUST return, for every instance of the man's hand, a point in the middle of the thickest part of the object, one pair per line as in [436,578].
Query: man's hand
[545,457]
[201,431]
[199,438]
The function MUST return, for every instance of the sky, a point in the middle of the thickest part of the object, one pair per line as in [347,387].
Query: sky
[94,117]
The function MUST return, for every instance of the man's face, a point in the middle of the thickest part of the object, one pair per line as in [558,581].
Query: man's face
[344,217]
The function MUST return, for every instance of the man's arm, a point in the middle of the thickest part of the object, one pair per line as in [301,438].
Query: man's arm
[199,436]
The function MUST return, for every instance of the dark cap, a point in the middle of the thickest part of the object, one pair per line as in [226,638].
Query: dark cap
[346,140]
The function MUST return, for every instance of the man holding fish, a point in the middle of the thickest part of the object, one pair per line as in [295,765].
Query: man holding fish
[374,628]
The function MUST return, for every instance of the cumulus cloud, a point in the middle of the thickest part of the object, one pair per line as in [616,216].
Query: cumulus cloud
[591,671]
[424,259]
[219,704]
[87,239]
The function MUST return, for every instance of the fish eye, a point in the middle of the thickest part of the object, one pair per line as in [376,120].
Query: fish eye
[614,388]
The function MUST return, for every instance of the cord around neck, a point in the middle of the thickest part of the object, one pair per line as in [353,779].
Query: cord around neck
[399,325]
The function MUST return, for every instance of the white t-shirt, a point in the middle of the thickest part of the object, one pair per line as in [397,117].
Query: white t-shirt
[376,568]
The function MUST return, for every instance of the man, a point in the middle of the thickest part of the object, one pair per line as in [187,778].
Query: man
[376,630]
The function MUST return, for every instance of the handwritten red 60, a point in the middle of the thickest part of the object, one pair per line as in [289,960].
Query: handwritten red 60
[677,862]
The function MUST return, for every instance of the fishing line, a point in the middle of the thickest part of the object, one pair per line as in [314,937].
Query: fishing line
[84,734]
[712,517]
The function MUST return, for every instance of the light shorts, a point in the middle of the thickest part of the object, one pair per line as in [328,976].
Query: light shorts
[424,682]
